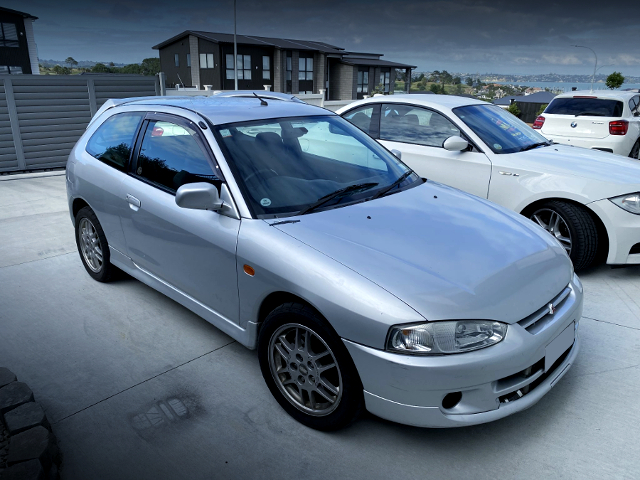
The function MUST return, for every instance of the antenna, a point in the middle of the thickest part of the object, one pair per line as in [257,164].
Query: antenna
[181,82]
[262,101]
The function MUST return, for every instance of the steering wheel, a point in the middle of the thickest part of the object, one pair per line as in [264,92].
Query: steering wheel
[262,170]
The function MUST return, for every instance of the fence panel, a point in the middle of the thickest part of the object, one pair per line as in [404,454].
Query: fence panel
[42,116]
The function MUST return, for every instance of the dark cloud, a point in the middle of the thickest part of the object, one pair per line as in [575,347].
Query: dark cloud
[462,35]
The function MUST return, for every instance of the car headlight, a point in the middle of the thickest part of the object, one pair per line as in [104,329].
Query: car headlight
[437,338]
[629,202]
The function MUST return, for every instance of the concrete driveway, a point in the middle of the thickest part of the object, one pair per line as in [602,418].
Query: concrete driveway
[138,387]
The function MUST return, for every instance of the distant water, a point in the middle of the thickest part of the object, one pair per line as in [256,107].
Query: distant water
[566,86]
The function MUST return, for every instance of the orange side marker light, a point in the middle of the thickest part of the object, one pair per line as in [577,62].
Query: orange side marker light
[249,270]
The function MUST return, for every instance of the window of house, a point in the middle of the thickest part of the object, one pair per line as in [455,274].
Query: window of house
[420,126]
[188,59]
[170,156]
[112,141]
[8,35]
[266,67]
[305,68]
[176,59]
[206,60]
[384,81]
[362,86]
[243,65]
[288,73]
[4,69]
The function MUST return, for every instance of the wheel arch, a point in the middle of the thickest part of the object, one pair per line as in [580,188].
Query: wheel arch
[77,205]
[603,236]
[275,299]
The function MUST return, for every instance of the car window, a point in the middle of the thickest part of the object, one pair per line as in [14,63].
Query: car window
[587,106]
[170,156]
[421,126]
[113,140]
[361,118]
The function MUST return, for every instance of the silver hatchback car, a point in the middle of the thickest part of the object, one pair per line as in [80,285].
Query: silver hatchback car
[360,283]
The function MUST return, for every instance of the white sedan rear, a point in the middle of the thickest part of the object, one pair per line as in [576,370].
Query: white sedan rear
[588,200]
[601,120]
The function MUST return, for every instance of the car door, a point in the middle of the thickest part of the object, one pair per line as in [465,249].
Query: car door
[194,251]
[419,133]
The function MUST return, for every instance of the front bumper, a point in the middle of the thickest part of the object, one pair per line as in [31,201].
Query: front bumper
[623,230]
[494,382]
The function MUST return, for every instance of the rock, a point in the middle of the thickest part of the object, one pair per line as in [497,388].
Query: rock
[6,376]
[35,444]
[14,395]
[31,470]
[24,417]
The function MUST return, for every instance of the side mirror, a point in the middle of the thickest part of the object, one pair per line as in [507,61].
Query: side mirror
[397,153]
[199,196]
[455,144]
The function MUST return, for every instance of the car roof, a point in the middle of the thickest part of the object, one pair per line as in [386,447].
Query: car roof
[448,101]
[224,109]
[611,94]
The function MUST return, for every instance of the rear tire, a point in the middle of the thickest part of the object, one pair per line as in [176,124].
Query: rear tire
[92,246]
[635,151]
[308,369]
[573,226]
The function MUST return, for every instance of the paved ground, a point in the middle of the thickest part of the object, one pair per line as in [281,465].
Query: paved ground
[105,361]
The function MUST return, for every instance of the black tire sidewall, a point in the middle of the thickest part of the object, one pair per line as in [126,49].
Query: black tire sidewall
[352,394]
[105,272]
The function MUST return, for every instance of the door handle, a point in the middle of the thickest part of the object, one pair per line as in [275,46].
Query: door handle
[134,203]
[510,174]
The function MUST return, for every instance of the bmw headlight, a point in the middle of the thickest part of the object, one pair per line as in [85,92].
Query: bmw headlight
[629,202]
[436,338]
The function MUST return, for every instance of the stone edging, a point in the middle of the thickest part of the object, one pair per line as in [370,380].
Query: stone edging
[28,448]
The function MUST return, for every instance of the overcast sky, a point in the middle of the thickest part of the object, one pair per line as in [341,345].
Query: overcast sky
[474,36]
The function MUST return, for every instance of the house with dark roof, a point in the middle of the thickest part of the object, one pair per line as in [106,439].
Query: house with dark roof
[196,58]
[529,105]
[18,52]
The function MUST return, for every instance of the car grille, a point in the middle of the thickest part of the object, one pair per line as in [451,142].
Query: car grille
[543,317]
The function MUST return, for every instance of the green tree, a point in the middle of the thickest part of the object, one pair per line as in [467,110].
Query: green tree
[60,70]
[100,68]
[615,80]
[435,88]
[513,109]
[133,68]
[150,66]
[457,89]
[71,62]
[542,107]
[469,81]
[457,80]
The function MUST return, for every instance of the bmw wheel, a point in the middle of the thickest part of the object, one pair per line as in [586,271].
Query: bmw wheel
[308,369]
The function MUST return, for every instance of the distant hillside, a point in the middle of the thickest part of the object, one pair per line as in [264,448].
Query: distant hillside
[81,63]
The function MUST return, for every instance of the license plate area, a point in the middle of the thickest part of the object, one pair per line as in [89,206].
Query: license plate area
[558,346]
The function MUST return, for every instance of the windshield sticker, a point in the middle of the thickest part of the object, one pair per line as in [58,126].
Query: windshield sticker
[225,133]
[265,202]
[497,146]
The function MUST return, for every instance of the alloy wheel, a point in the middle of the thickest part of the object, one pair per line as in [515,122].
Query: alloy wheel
[90,245]
[305,369]
[553,223]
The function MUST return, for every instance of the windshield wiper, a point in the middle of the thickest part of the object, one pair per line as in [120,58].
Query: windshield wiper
[384,191]
[534,145]
[351,188]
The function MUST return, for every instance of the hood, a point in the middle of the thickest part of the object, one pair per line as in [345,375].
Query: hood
[613,174]
[445,253]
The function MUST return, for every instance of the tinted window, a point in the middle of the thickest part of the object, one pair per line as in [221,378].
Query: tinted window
[170,156]
[408,124]
[593,107]
[361,118]
[112,142]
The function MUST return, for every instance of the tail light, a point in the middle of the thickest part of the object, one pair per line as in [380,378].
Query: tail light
[618,127]
[538,123]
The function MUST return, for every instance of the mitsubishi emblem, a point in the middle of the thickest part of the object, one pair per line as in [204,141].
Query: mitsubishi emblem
[552,309]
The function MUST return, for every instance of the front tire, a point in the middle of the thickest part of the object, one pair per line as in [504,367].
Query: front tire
[92,246]
[308,369]
[573,227]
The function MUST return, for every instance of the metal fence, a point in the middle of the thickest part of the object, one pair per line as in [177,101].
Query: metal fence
[42,116]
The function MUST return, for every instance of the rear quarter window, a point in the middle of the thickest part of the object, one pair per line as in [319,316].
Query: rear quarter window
[112,142]
[589,107]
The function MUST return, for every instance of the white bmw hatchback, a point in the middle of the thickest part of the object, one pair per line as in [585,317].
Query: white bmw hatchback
[589,200]
[602,120]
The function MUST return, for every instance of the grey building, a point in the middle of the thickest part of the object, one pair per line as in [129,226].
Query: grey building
[18,53]
[195,58]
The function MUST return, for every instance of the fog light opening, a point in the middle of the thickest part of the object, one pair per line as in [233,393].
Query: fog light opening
[451,400]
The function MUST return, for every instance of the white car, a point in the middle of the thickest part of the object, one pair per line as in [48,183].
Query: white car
[602,120]
[589,200]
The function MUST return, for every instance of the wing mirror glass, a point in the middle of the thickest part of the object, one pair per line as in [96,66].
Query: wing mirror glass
[455,144]
[199,196]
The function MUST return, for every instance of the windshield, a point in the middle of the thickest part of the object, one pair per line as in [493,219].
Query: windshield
[501,131]
[295,165]
[591,107]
